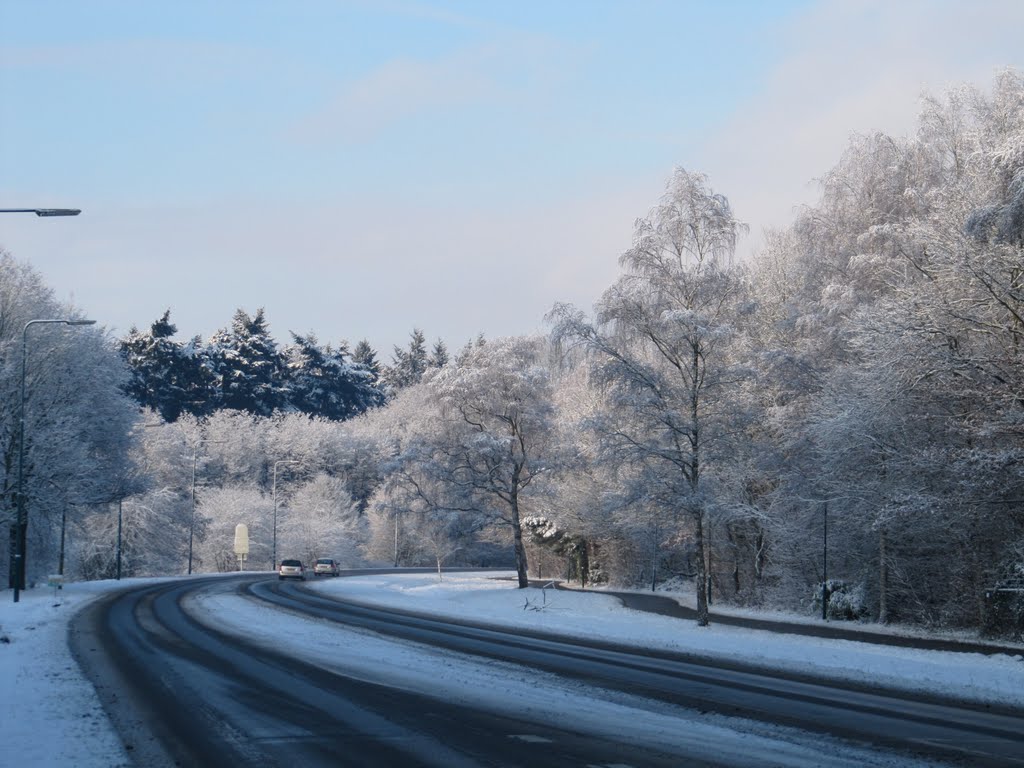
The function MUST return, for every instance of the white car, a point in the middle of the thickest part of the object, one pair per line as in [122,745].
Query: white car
[326,567]
[291,569]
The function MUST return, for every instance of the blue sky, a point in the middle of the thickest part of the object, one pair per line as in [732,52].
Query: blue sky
[361,168]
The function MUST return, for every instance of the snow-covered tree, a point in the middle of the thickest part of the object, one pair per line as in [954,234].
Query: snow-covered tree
[153,537]
[896,372]
[663,348]
[365,355]
[247,366]
[438,355]
[166,376]
[222,510]
[417,513]
[318,519]
[322,382]
[408,365]
[77,419]
[497,404]
[401,438]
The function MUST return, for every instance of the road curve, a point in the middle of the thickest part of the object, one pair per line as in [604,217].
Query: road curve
[184,693]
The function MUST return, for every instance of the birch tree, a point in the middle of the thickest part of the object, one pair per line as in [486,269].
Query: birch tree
[319,518]
[497,405]
[660,344]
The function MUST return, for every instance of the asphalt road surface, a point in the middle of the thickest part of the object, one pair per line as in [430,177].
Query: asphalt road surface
[183,692]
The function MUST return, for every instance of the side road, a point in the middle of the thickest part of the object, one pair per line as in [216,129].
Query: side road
[668,606]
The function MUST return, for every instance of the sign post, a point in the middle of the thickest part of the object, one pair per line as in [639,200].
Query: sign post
[55,580]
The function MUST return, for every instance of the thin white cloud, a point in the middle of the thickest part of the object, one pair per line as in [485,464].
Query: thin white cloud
[154,60]
[500,72]
[428,12]
[397,90]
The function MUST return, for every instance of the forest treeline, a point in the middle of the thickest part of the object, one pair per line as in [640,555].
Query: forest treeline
[838,418]
[243,368]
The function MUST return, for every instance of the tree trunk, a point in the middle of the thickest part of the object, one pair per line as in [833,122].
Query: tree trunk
[702,573]
[704,554]
[707,549]
[396,539]
[517,539]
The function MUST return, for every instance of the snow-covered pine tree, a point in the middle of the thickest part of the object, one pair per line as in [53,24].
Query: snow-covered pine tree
[438,355]
[408,365]
[169,377]
[322,382]
[364,355]
[248,368]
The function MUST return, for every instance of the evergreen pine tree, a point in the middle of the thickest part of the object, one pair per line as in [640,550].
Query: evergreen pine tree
[166,376]
[248,368]
[408,366]
[365,356]
[361,382]
[198,379]
[439,356]
[323,382]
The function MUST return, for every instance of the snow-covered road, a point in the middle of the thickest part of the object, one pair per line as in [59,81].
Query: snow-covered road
[54,712]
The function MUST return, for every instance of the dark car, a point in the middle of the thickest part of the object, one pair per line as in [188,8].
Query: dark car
[291,569]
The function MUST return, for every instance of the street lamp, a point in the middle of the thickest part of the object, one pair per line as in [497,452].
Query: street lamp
[273,552]
[21,525]
[44,211]
[824,561]
[192,517]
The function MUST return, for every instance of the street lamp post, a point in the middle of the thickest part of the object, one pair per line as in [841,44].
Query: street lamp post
[192,518]
[824,561]
[21,526]
[119,523]
[63,528]
[273,551]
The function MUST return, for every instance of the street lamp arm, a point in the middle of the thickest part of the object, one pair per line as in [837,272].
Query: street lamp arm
[44,211]
[60,321]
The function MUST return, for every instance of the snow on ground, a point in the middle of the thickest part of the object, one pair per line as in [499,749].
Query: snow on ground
[50,716]
[971,676]
[49,713]
[517,692]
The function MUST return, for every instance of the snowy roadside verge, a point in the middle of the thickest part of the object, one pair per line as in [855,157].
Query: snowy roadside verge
[50,714]
[972,677]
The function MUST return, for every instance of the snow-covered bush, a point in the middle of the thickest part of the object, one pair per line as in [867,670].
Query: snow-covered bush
[846,602]
[1004,603]
[1004,614]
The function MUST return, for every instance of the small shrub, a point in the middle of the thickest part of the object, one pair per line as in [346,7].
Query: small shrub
[1004,614]
[845,601]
